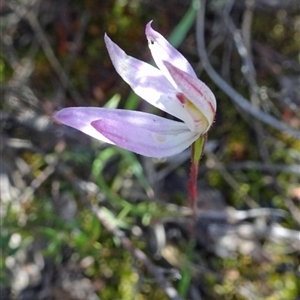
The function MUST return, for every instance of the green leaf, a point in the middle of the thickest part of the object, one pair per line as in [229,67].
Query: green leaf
[198,149]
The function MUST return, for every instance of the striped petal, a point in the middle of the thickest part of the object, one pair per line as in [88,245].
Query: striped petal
[195,91]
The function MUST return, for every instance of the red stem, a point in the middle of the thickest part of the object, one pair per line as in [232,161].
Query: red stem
[192,187]
[197,151]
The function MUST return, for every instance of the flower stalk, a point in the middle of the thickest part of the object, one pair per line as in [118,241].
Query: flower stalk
[197,149]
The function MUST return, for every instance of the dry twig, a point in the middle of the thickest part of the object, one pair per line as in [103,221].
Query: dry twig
[236,97]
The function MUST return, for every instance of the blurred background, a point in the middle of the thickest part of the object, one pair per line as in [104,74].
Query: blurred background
[81,219]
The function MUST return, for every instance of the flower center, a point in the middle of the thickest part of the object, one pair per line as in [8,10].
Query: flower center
[200,121]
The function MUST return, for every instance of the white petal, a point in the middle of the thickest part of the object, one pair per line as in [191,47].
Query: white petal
[148,82]
[162,50]
[196,91]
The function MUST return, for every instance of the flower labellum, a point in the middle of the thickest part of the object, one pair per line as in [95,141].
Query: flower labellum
[172,87]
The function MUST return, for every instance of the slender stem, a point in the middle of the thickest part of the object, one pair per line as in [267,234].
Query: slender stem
[197,151]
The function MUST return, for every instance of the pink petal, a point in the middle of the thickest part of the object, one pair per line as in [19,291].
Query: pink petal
[148,82]
[155,137]
[162,50]
[81,118]
[196,91]
[139,132]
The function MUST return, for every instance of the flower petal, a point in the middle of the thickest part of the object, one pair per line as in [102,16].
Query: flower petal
[81,118]
[139,132]
[162,50]
[154,137]
[196,91]
[148,82]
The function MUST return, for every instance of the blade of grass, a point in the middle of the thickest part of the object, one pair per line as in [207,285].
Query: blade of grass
[138,171]
[180,31]
[185,281]
[113,102]
[97,170]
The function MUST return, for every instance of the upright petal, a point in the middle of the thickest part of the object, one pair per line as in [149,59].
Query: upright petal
[162,50]
[148,82]
[196,91]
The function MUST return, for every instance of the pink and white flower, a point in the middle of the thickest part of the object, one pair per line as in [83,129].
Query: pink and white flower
[172,87]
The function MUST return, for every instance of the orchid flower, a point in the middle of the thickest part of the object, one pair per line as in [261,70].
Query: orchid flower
[172,87]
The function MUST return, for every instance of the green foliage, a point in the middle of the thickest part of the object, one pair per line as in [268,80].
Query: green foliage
[115,180]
